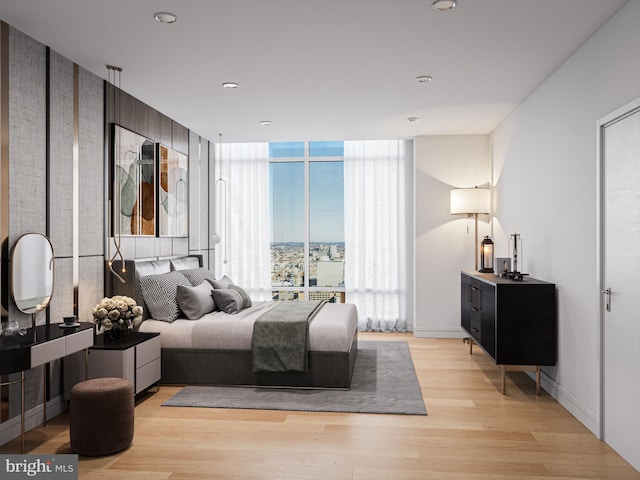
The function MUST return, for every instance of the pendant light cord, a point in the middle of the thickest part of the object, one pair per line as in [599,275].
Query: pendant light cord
[116,73]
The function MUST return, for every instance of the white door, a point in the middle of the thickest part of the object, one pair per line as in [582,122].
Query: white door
[620,147]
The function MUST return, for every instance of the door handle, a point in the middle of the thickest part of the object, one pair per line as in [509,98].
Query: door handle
[607,292]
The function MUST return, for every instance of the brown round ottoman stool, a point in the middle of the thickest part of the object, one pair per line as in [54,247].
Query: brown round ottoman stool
[101,416]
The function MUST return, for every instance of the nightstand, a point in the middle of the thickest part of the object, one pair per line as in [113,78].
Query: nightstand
[135,357]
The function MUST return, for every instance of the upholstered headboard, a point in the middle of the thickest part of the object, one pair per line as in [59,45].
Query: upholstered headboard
[141,267]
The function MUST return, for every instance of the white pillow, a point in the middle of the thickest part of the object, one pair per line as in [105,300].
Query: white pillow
[196,301]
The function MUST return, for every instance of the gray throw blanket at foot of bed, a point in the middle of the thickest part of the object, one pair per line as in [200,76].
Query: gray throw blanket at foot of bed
[280,337]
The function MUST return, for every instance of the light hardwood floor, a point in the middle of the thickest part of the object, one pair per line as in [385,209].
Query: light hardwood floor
[472,432]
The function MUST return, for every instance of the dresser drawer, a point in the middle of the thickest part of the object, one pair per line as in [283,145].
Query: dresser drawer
[476,324]
[147,351]
[78,341]
[47,352]
[147,375]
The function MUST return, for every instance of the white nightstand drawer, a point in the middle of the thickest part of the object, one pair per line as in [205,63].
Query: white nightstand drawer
[47,352]
[78,341]
[147,351]
[147,375]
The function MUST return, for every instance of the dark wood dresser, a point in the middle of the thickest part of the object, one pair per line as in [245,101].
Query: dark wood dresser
[513,321]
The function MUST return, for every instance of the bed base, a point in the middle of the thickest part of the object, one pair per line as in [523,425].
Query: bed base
[233,367]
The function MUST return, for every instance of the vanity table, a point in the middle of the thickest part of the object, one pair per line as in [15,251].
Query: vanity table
[39,346]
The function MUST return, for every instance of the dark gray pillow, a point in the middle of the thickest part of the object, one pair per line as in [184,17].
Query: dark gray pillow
[227,300]
[224,282]
[197,275]
[196,301]
[160,293]
[246,299]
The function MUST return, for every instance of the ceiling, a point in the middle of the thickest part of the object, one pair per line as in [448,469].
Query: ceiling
[319,69]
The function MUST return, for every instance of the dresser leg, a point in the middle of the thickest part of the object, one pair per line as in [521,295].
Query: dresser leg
[537,379]
[503,378]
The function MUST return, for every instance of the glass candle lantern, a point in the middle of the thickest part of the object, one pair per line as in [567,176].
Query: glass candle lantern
[486,255]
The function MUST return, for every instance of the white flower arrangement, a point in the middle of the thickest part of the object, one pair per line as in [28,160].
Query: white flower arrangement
[119,312]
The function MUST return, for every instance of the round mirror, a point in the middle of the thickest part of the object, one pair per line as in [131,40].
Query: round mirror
[32,272]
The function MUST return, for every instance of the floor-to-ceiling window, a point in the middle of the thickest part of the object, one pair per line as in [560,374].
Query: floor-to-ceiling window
[307,220]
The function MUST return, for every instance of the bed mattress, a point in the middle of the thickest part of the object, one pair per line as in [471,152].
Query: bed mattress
[331,330]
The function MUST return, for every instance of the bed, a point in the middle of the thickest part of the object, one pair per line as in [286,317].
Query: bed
[216,348]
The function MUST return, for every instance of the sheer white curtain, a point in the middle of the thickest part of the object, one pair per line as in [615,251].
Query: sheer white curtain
[242,217]
[378,210]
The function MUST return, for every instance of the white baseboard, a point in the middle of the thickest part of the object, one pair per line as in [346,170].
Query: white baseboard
[32,419]
[570,402]
[447,332]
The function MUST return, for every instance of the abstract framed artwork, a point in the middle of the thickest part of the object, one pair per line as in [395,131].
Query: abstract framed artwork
[173,196]
[134,180]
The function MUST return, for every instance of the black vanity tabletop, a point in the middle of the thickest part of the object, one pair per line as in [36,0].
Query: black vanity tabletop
[15,350]
[44,333]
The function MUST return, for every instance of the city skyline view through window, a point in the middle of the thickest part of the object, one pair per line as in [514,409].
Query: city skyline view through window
[307,221]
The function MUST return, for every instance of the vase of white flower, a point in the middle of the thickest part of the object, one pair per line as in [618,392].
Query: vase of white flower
[117,315]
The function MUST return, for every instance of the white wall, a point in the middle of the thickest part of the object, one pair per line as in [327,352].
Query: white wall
[544,177]
[443,245]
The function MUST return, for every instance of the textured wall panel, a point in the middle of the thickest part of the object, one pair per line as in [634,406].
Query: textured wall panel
[164,247]
[145,247]
[27,144]
[27,136]
[165,127]
[91,165]
[127,248]
[91,286]
[61,155]
[198,197]
[55,378]
[180,246]
[33,392]
[180,138]
[146,119]
[62,300]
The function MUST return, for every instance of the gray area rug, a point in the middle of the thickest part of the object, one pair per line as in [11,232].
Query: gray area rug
[384,381]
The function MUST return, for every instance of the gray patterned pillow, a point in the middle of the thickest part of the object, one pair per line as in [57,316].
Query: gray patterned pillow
[196,301]
[197,275]
[227,300]
[160,294]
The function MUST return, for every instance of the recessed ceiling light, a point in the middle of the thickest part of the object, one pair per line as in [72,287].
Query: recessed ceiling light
[444,5]
[424,78]
[412,119]
[165,17]
[230,85]
[266,122]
